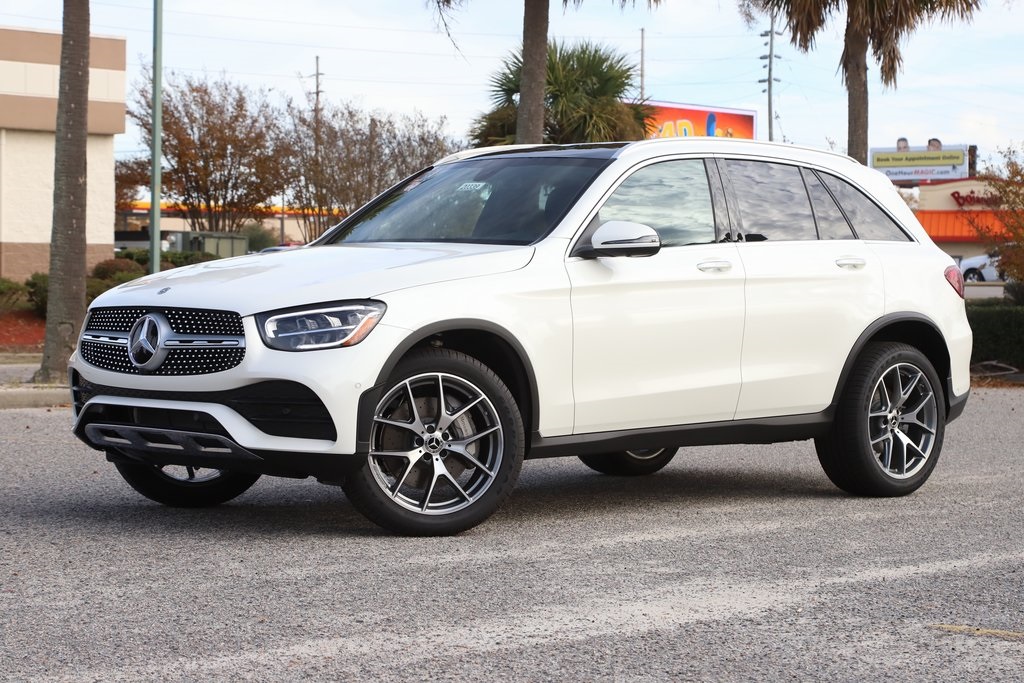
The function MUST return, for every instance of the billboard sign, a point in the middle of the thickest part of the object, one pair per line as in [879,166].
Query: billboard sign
[673,120]
[921,163]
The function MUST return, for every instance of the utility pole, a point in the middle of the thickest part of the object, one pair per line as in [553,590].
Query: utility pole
[771,57]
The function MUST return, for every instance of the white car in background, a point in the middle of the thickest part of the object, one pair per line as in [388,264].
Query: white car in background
[609,301]
[983,268]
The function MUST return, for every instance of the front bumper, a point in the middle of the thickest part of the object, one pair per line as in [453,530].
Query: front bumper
[276,412]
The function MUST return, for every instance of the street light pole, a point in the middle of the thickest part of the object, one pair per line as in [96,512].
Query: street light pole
[156,152]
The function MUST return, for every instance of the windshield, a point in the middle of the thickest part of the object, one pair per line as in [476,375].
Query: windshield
[495,200]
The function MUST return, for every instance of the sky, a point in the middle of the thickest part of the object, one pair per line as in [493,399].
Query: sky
[962,82]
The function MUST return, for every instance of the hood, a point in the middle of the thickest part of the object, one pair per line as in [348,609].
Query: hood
[264,282]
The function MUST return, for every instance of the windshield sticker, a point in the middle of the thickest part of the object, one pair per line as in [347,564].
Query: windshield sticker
[471,187]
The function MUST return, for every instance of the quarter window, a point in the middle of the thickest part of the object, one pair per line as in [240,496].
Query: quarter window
[832,224]
[870,222]
[673,197]
[773,202]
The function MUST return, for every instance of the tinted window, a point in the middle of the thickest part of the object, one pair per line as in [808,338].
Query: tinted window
[870,222]
[672,197]
[497,200]
[832,224]
[773,202]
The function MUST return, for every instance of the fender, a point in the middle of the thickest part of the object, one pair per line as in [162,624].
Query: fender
[371,397]
[866,336]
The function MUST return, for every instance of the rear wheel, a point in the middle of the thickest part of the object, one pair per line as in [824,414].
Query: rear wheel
[889,424]
[973,275]
[446,446]
[630,463]
[185,486]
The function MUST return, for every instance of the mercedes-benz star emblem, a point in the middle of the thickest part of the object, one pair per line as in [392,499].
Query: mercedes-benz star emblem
[145,341]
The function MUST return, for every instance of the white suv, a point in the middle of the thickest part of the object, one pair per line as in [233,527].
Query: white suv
[611,301]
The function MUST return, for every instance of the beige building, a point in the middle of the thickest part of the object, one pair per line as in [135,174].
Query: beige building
[29,79]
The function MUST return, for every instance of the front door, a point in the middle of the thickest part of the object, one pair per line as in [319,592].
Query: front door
[657,340]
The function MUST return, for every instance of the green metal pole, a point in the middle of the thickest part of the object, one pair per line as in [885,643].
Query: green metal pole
[156,153]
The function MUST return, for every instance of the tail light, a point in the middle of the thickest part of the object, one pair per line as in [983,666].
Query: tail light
[955,279]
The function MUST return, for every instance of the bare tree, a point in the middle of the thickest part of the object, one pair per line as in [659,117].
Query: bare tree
[341,157]
[65,308]
[130,177]
[221,144]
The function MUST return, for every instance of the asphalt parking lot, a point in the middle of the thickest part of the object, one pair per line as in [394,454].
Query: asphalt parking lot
[735,563]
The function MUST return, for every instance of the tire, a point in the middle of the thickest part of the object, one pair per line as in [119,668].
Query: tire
[887,434]
[633,463]
[973,275]
[446,446]
[185,487]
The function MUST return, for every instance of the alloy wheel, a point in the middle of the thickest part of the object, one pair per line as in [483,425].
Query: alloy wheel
[436,444]
[902,420]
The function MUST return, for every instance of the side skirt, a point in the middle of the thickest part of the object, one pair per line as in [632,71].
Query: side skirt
[760,430]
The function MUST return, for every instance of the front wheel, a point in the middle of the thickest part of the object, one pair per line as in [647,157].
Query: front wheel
[973,275]
[890,420]
[632,463]
[185,486]
[446,446]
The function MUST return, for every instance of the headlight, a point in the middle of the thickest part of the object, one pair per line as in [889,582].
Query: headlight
[325,326]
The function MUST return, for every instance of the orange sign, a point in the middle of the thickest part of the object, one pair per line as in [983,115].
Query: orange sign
[682,120]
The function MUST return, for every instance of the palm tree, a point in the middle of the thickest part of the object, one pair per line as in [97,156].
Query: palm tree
[65,308]
[586,86]
[530,110]
[878,25]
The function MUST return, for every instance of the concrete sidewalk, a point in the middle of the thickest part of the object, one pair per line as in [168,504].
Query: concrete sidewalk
[17,390]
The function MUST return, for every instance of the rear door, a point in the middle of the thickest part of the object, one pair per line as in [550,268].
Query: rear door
[812,287]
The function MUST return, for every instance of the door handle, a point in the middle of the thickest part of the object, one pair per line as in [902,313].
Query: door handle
[714,266]
[851,262]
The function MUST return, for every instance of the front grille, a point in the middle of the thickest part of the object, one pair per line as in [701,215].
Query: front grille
[179,361]
[215,340]
[277,407]
[183,320]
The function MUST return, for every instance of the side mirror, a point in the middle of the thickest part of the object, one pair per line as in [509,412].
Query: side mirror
[621,238]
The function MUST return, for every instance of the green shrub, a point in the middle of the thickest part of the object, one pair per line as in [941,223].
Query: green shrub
[106,270]
[1014,291]
[121,278]
[95,286]
[998,333]
[11,294]
[168,259]
[187,258]
[38,285]
[259,236]
[140,256]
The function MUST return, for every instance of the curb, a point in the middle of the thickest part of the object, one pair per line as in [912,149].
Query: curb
[34,397]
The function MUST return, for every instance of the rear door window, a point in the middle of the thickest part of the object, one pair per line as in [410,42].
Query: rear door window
[772,201]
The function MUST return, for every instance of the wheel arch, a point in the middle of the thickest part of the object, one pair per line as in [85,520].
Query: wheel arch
[909,328]
[488,342]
